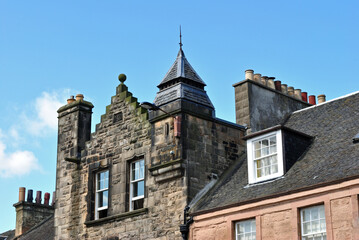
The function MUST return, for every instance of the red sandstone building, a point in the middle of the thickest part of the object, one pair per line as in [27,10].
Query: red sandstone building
[287,169]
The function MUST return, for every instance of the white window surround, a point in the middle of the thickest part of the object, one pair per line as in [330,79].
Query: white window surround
[252,174]
[246,229]
[137,182]
[312,221]
[101,196]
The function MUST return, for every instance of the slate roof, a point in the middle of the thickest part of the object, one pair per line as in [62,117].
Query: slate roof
[181,68]
[44,230]
[7,235]
[332,157]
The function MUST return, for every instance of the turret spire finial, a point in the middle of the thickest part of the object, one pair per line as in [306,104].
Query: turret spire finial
[180,39]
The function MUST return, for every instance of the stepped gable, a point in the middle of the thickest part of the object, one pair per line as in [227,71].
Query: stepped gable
[113,113]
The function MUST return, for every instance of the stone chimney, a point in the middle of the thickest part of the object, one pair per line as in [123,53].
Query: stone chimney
[28,213]
[262,102]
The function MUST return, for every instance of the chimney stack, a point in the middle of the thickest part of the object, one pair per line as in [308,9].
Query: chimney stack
[29,214]
[321,98]
[291,91]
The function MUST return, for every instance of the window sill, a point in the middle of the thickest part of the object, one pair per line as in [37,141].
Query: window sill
[117,217]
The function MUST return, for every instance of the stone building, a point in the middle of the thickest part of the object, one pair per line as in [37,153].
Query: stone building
[172,170]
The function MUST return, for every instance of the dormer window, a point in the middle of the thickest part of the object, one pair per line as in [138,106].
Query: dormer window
[265,157]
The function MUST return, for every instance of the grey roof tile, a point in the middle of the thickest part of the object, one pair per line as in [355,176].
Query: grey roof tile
[332,157]
[181,68]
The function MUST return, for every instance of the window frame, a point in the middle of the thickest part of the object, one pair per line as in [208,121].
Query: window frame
[97,192]
[251,220]
[252,174]
[131,183]
[322,233]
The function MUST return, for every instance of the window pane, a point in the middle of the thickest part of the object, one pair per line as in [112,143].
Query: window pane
[257,153]
[137,204]
[142,169]
[102,180]
[246,229]
[305,215]
[265,151]
[138,188]
[321,212]
[314,214]
[102,199]
[273,149]
[273,141]
[307,228]
[265,143]
[257,145]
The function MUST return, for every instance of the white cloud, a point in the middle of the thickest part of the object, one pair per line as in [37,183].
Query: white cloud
[17,163]
[36,123]
[44,118]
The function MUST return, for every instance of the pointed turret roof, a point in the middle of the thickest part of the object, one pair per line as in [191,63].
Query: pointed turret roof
[182,69]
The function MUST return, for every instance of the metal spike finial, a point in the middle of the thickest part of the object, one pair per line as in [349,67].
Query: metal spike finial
[180,39]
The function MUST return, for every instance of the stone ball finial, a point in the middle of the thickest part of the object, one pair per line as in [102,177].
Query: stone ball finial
[122,78]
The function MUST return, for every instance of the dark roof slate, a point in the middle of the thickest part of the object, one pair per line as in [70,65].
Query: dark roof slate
[45,230]
[181,68]
[8,235]
[331,157]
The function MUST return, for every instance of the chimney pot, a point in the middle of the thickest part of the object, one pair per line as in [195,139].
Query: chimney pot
[321,98]
[257,77]
[249,74]
[278,85]
[79,97]
[71,99]
[305,96]
[29,195]
[284,88]
[312,99]
[22,194]
[270,82]
[291,91]
[264,80]
[298,94]
[38,197]
[53,199]
[47,198]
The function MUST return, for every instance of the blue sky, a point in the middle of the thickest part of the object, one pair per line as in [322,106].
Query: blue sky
[50,50]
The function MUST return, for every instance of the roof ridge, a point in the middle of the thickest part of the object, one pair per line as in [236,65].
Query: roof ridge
[330,101]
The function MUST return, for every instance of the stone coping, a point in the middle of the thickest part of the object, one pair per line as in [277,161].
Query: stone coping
[75,103]
[117,217]
[33,204]
[166,164]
